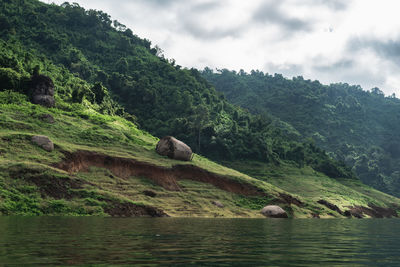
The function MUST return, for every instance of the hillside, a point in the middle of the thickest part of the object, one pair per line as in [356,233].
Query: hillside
[357,127]
[111,89]
[165,99]
[104,165]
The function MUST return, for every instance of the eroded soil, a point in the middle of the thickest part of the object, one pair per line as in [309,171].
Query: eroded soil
[165,177]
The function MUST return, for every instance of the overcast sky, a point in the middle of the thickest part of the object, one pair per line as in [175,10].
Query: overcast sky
[353,41]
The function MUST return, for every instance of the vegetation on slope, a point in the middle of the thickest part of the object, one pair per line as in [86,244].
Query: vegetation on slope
[103,163]
[357,127]
[166,99]
[313,186]
[34,181]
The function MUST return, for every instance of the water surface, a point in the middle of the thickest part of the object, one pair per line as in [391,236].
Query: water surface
[209,242]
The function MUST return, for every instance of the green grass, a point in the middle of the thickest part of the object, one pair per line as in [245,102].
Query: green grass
[111,135]
[31,185]
[312,186]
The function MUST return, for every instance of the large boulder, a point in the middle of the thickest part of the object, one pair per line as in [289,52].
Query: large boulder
[273,211]
[44,142]
[174,149]
[42,91]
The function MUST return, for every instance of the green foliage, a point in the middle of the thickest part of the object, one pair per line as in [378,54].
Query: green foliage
[69,88]
[85,53]
[57,206]
[11,97]
[100,69]
[19,200]
[9,79]
[100,92]
[356,127]
[254,203]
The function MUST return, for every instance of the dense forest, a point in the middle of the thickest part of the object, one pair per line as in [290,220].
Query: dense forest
[114,71]
[361,128]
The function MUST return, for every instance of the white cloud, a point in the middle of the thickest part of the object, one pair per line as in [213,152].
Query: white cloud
[313,38]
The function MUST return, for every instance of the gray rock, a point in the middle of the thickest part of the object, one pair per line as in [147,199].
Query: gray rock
[42,91]
[273,211]
[174,149]
[47,118]
[44,142]
[217,203]
[44,100]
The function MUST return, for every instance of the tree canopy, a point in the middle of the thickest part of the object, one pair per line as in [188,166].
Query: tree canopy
[357,127]
[100,62]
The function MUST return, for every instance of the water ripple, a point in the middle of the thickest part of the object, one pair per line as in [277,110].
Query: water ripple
[206,242]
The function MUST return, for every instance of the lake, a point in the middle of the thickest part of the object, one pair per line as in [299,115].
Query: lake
[206,242]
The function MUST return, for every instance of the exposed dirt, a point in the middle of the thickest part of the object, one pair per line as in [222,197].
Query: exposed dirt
[359,211]
[59,187]
[55,187]
[48,184]
[121,167]
[127,209]
[373,211]
[165,177]
[191,172]
[288,199]
[330,206]
[150,193]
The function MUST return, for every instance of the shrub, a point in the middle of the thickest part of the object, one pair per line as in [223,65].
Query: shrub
[9,79]
[11,97]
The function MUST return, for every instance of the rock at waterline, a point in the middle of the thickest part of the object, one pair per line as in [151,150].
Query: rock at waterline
[273,211]
[173,148]
[217,203]
[42,91]
[44,142]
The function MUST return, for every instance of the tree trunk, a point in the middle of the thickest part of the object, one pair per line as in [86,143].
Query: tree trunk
[198,145]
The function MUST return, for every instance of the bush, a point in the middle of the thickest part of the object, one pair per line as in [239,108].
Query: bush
[10,97]
[9,79]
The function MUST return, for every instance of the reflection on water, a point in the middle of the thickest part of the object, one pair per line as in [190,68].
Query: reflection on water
[180,241]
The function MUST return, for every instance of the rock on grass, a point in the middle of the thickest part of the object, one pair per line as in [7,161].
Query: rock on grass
[44,142]
[273,211]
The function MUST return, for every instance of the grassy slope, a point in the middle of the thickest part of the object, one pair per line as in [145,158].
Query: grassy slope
[106,135]
[353,125]
[313,186]
[23,164]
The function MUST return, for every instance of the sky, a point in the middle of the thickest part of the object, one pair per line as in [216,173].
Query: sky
[349,41]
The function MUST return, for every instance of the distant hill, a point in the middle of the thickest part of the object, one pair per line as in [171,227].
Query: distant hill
[357,127]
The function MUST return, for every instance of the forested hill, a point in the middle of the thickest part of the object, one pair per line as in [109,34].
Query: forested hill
[359,127]
[165,98]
